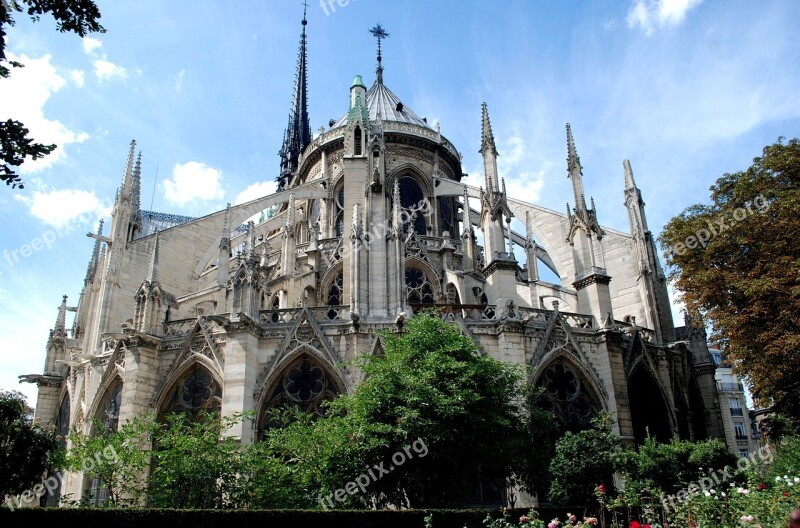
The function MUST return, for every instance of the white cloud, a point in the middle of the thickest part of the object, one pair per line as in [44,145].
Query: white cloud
[90,44]
[193,181]
[23,97]
[177,81]
[106,70]
[66,207]
[256,190]
[647,14]
[77,77]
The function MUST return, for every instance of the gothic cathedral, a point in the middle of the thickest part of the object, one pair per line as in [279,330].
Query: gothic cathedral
[371,222]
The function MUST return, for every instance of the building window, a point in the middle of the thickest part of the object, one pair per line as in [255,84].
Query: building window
[418,289]
[735,407]
[446,220]
[338,220]
[303,385]
[196,394]
[716,356]
[357,141]
[744,453]
[564,396]
[108,416]
[335,292]
[413,203]
[741,433]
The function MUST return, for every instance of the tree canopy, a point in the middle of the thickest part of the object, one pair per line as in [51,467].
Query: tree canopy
[26,451]
[736,262]
[438,415]
[76,16]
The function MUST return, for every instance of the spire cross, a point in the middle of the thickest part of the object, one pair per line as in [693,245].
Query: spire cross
[379,33]
[305,8]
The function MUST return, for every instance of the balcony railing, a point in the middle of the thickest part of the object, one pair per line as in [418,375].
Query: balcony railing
[736,411]
[730,387]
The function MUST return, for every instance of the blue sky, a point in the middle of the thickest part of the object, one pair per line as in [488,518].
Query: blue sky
[685,89]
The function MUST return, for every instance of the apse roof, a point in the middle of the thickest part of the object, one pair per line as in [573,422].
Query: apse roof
[380,98]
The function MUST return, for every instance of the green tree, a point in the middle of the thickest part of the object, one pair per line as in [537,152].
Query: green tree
[196,464]
[669,467]
[118,459]
[76,16]
[434,412]
[26,450]
[583,461]
[736,262]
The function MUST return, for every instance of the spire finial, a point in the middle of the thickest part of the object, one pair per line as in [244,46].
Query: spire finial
[629,182]
[572,153]
[61,319]
[91,270]
[298,132]
[152,272]
[575,171]
[127,179]
[487,136]
[379,33]
[136,183]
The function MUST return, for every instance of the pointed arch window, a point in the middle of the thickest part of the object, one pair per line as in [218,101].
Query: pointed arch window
[338,220]
[413,202]
[335,294]
[62,431]
[196,394]
[446,216]
[108,413]
[419,290]
[304,384]
[357,141]
[107,418]
[566,396]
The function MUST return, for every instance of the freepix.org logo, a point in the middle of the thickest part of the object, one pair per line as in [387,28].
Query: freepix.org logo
[375,473]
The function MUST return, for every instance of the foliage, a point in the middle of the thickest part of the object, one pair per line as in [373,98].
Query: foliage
[787,458]
[669,467]
[743,276]
[196,465]
[170,518]
[584,461]
[76,16]
[776,426]
[531,519]
[118,458]
[26,451]
[429,403]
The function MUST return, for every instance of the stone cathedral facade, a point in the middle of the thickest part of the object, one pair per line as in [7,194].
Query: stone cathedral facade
[371,222]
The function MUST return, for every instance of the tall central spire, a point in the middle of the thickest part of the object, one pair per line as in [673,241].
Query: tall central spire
[379,33]
[298,132]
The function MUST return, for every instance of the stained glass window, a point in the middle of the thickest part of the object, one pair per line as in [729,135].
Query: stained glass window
[195,394]
[304,385]
[566,397]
